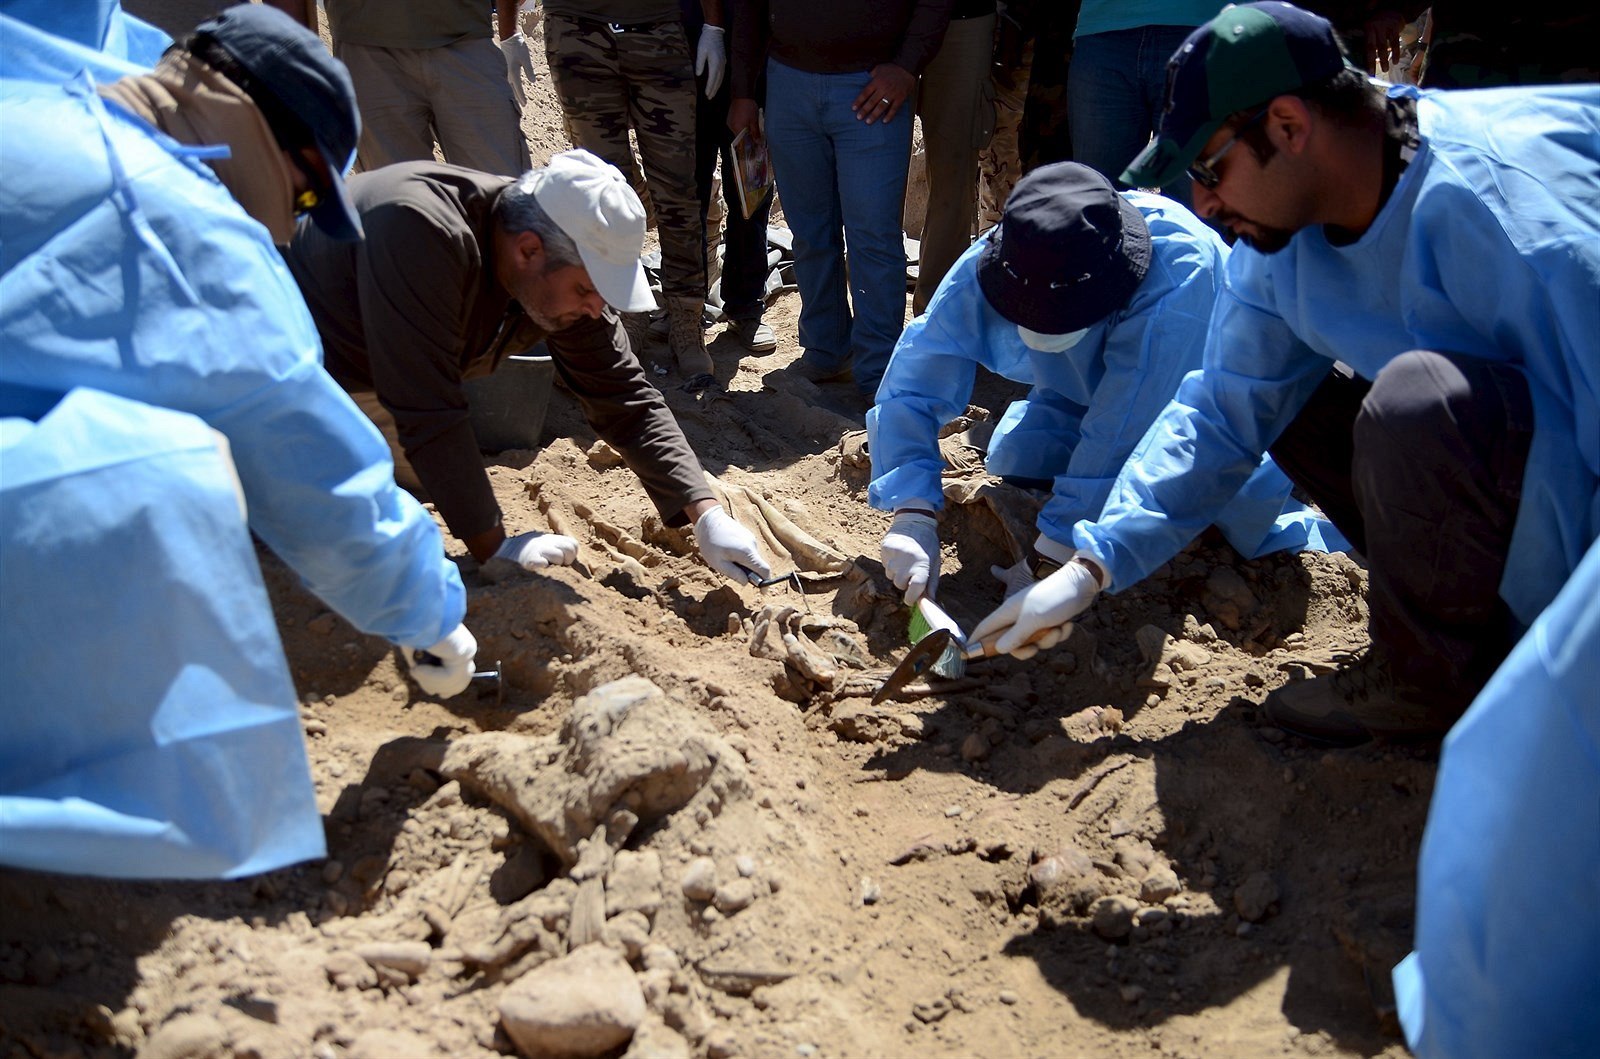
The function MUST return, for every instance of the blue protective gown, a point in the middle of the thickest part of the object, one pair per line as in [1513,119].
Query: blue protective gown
[1507,958]
[126,268]
[1489,247]
[99,26]
[150,721]
[1088,406]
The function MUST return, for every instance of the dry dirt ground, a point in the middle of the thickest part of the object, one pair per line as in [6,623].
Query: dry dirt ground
[1101,852]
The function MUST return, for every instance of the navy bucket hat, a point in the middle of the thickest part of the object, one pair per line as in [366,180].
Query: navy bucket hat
[1068,251]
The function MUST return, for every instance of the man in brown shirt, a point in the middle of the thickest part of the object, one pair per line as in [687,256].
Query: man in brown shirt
[459,270]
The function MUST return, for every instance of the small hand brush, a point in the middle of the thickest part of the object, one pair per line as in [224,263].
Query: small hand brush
[927,616]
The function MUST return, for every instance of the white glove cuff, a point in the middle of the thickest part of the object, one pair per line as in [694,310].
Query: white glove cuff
[906,521]
[459,645]
[1053,549]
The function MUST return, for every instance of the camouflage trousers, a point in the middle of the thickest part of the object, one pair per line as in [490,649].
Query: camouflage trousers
[611,80]
[1000,163]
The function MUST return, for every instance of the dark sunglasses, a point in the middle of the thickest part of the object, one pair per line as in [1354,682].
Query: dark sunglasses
[1203,171]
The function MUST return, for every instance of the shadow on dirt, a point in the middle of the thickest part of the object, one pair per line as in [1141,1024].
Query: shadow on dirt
[1288,860]
[1294,861]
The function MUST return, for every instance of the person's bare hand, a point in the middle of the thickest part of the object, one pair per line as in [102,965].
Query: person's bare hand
[1383,39]
[884,95]
[744,114]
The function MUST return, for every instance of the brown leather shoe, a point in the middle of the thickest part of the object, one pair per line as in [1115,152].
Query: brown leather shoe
[1356,704]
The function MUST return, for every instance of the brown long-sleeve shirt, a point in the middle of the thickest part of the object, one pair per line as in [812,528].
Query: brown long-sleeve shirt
[413,309]
[834,36]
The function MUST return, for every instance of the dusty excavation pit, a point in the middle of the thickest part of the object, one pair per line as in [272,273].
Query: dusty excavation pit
[687,795]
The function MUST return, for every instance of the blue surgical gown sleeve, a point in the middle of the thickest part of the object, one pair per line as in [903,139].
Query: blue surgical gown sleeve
[927,384]
[1146,352]
[127,268]
[1507,955]
[1256,376]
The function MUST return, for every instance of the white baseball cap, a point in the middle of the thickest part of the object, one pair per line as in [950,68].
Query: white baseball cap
[594,205]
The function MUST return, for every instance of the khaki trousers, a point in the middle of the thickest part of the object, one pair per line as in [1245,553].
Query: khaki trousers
[457,95]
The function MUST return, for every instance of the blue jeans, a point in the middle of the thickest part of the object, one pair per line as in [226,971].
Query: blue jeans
[1115,90]
[841,180]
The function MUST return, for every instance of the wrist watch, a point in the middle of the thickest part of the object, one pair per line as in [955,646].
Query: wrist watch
[1042,566]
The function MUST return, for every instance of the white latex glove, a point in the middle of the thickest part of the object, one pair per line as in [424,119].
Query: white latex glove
[1018,577]
[1015,578]
[447,669]
[728,547]
[529,551]
[711,58]
[910,553]
[519,61]
[1040,616]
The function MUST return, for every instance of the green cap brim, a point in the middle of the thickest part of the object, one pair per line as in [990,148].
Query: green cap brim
[1163,161]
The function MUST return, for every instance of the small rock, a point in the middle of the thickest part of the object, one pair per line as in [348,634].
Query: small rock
[1113,916]
[657,956]
[656,1040]
[1132,994]
[125,1026]
[1008,998]
[952,811]
[871,892]
[1049,873]
[1254,898]
[974,748]
[602,456]
[734,896]
[323,623]
[1159,885]
[410,958]
[349,971]
[721,1044]
[1155,920]
[634,882]
[585,1003]
[699,881]
[656,986]
[187,1036]
[745,865]
[629,931]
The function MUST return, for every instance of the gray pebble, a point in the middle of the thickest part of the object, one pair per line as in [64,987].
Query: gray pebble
[699,881]
[1113,916]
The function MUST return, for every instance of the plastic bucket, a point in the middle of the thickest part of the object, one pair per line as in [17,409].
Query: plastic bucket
[508,407]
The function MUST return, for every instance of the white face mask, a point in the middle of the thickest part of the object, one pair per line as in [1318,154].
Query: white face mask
[1050,343]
